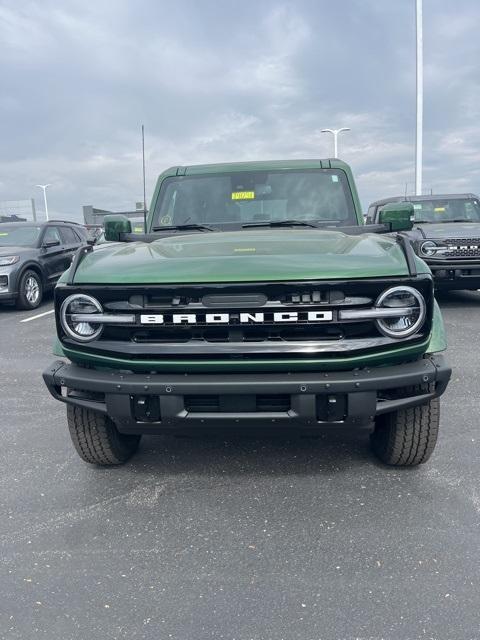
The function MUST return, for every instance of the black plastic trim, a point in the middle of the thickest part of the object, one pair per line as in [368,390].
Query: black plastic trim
[410,256]
[77,259]
[360,388]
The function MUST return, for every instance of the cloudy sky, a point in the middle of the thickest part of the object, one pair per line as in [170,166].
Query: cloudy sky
[222,80]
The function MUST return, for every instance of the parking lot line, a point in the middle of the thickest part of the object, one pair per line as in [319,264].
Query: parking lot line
[39,315]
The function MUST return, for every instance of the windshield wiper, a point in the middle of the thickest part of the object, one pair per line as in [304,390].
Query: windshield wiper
[184,227]
[282,223]
[459,220]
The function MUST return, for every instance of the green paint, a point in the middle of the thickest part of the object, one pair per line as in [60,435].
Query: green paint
[255,255]
[384,358]
[244,256]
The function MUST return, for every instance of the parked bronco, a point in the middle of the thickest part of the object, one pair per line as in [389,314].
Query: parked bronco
[446,235]
[257,298]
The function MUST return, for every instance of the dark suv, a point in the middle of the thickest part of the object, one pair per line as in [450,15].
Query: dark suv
[446,234]
[33,256]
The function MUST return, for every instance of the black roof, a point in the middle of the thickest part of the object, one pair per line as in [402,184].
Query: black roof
[436,196]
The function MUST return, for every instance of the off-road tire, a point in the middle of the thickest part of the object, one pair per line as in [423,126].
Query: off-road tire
[23,301]
[407,437]
[97,439]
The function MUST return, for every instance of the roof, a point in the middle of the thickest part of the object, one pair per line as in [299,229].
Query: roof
[39,223]
[437,196]
[256,165]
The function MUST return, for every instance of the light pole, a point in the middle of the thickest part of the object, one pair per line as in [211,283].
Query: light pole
[44,187]
[335,133]
[419,130]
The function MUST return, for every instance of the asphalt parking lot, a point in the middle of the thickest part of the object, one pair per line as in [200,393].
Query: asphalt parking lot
[236,537]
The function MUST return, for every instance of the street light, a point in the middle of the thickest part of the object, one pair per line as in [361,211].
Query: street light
[335,133]
[419,129]
[44,187]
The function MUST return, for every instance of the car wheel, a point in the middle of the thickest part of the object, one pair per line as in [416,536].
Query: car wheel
[97,439]
[30,290]
[407,437]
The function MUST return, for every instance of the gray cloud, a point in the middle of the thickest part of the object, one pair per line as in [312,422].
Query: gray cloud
[226,80]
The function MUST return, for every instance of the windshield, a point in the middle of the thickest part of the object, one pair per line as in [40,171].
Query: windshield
[19,235]
[467,209]
[235,199]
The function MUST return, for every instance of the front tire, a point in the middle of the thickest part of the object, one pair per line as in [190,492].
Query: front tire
[30,290]
[97,439]
[407,437]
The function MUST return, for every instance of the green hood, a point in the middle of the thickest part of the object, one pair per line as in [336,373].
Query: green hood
[244,256]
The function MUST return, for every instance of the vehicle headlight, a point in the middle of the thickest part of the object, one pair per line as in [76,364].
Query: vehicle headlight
[80,304]
[6,261]
[429,248]
[406,308]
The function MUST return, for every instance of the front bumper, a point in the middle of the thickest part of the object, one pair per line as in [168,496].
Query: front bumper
[156,403]
[456,275]
[8,283]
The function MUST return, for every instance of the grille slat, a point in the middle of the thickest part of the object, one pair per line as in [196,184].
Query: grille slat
[462,248]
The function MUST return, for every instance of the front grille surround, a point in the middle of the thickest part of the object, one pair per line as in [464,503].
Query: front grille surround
[250,341]
[463,248]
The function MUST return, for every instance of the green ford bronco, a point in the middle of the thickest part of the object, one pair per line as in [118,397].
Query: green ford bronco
[255,298]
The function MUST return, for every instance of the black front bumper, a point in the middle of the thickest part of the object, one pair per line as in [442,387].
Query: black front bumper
[456,275]
[155,403]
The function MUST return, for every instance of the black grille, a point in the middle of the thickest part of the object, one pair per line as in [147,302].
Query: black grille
[234,340]
[262,403]
[462,248]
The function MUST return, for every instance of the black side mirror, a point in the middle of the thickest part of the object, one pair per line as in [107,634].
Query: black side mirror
[116,226]
[51,243]
[397,215]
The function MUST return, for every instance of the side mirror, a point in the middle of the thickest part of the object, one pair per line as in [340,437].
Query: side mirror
[115,226]
[397,215]
[51,243]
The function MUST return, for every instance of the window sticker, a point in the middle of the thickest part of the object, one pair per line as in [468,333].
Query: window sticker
[243,195]
[334,178]
[439,209]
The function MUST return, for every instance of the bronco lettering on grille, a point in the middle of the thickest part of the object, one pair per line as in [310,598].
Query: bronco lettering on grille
[276,317]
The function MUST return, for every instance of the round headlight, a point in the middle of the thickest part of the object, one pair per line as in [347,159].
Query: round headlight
[411,312]
[80,330]
[428,248]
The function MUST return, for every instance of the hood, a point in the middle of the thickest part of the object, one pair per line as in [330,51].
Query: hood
[13,251]
[450,230]
[244,256]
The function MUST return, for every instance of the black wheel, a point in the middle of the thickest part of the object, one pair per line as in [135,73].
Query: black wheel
[97,439]
[407,437]
[30,290]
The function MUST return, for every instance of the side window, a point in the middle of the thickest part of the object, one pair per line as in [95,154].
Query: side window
[79,235]
[69,236]
[52,234]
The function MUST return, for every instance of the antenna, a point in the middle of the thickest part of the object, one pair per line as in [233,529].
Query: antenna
[406,189]
[144,189]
